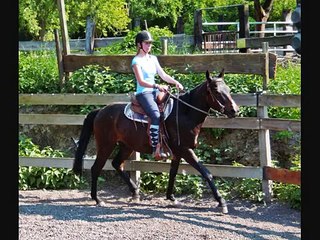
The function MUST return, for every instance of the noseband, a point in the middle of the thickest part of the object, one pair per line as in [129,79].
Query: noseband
[214,99]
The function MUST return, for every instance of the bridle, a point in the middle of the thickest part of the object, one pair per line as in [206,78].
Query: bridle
[214,98]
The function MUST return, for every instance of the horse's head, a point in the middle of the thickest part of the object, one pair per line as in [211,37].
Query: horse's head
[219,97]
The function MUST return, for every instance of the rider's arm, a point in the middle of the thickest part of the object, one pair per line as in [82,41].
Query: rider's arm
[167,77]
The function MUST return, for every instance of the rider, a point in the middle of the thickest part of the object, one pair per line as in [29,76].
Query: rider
[145,66]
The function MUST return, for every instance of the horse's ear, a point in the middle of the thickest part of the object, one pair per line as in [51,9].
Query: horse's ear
[221,75]
[208,75]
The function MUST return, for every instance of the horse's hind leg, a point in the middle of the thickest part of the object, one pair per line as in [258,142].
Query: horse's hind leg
[191,158]
[118,164]
[102,155]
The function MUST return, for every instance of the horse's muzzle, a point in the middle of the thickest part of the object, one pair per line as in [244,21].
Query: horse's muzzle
[233,112]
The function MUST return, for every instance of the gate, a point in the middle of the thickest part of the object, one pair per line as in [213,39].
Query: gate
[220,42]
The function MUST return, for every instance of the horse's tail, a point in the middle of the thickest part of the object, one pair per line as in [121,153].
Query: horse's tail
[82,144]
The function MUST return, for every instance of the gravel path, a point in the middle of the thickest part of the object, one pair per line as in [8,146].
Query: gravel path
[71,214]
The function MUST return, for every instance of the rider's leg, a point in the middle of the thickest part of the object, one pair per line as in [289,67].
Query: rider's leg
[147,101]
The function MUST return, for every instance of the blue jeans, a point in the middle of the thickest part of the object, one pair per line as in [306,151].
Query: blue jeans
[147,101]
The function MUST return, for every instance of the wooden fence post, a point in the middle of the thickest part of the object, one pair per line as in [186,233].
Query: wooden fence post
[59,59]
[197,30]
[244,31]
[64,28]
[64,33]
[90,29]
[164,45]
[264,134]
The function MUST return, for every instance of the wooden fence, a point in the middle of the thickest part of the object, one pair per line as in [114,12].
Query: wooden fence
[258,63]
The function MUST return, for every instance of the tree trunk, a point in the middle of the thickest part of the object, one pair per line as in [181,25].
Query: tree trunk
[262,13]
[180,25]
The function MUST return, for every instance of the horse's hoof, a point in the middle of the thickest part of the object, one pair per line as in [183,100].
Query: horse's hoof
[135,199]
[101,204]
[224,209]
[177,203]
[174,202]
[135,196]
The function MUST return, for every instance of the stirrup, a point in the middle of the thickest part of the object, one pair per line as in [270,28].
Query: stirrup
[158,154]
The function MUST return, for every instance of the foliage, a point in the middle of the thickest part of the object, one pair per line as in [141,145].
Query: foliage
[288,193]
[127,46]
[208,153]
[110,16]
[44,177]
[39,18]
[95,79]
[196,186]
[229,188]
[38,72]
[185,184]
[98,79]
[288,81]
[280,6]
[164,11]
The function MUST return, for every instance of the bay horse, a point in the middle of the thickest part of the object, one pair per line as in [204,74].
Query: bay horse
[112,128]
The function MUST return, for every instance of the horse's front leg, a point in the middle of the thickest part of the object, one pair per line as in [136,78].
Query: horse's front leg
[192,159]
[175,162]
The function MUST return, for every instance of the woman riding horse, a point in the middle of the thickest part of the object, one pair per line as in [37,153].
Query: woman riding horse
[145,66]
[112,128]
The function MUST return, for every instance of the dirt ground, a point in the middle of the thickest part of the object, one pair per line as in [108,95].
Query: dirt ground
[71,214]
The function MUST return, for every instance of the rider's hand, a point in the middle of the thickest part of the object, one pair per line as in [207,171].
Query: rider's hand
[163,88]
[179,86]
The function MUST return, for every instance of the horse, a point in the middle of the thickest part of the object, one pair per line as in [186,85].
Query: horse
[112,128]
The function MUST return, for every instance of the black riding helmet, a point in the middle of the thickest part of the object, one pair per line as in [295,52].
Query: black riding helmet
[143,36]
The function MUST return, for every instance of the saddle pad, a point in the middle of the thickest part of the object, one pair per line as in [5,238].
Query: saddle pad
[142,117]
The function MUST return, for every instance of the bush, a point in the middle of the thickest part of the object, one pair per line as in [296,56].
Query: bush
[38,72]
[44,177]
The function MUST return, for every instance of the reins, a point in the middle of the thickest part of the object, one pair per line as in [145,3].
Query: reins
[189,105]
[193,107]
[198,109]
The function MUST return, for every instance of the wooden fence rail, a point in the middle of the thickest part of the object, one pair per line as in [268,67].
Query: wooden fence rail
[263,64]
[210,122]
[245,63]
[137,165]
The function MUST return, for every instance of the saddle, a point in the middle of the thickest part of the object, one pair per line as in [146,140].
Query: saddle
[165,107]
[161,101]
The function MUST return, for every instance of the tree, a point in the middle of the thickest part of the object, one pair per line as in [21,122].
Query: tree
[262,13]
[162,13]
[109,16]
[39,18]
